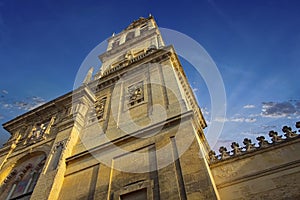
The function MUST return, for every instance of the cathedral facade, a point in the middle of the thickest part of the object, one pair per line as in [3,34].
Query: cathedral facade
[134,130]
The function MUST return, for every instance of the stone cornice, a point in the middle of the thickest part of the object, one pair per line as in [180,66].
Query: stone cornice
[186,86]
[40,111]
[155,55]
[144,131]
[48,109]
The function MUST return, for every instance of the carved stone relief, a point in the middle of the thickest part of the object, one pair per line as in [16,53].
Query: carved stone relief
[135,94]
[227,172]
[40,131]
[100,107]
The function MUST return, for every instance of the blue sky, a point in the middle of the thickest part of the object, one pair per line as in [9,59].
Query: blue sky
[255,44]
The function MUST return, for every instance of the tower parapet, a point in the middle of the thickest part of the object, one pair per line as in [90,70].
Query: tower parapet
[250,147]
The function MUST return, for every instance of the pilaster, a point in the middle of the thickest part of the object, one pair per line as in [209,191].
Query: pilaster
[51,179]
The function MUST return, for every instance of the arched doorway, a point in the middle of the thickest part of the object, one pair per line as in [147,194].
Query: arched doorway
[20,182]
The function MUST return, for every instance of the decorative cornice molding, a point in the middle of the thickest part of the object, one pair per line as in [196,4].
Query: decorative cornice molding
[113,75]
[43,111]
[137,134]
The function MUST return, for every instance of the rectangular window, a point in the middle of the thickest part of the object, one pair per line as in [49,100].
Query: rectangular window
[143,30]
[135,195]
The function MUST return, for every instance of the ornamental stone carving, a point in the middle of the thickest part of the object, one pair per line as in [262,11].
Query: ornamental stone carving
[136,93]
[298,125]
[275,137]
[40,131]
[248,144]
[288,132]
[212,156]
[236,150]
[100,106]
[224,152]
[262,142]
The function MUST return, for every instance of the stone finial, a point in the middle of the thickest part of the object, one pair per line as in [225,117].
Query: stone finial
[275,137]
[248,144]
[212,156]
[288,132]
[224,152]
[262,142]
[298,125]
[89,75]
[236,150]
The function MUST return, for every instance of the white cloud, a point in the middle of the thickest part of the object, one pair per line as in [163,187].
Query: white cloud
[252,133]
[267,127]
[7,105]
[36,105]
[250,120]
[1,116]
[26,105]
[240,119]
[280,109]
[4,92]
[220,119]
[235,119]
[243,119]
[30,103]
[205,111]
[195,90]
[220,143]
[208,122]
[254,115]
[249,106]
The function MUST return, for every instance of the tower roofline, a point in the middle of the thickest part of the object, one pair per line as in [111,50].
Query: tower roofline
[138,22]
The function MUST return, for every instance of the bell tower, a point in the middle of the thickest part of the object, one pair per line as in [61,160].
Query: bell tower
[134,131]
[146,134]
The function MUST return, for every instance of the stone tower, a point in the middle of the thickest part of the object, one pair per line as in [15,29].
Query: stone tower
[134,131]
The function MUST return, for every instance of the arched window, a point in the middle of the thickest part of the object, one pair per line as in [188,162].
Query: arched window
[129,36]
[143,29]
[20,182]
